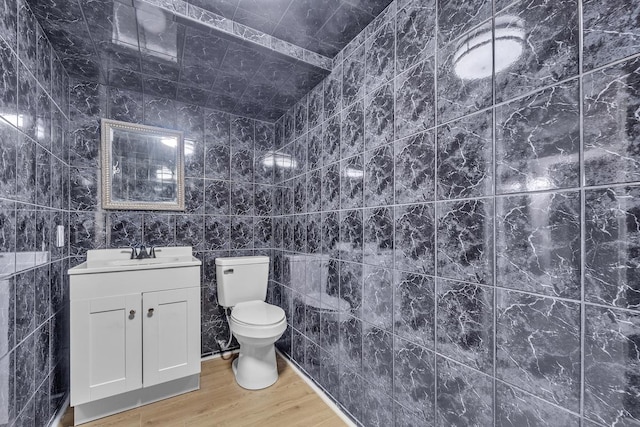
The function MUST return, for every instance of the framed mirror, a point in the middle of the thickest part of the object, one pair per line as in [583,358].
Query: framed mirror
[142,167]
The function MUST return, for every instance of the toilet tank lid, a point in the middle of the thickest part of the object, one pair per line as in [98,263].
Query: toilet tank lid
[242,260]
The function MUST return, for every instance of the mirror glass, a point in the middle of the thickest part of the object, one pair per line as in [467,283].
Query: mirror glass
[142,167]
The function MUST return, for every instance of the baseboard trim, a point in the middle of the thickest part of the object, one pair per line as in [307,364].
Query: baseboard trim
[326,399]
[56,421]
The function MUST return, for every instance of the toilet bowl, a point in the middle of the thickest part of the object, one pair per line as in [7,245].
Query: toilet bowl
[257,326]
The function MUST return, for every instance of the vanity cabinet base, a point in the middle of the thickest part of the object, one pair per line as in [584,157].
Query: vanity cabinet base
[96,409]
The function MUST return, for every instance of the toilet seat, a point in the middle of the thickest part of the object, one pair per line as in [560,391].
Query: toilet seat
[257,319]
[257,313]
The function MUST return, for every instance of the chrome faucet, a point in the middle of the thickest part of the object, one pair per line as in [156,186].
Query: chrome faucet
[142,253]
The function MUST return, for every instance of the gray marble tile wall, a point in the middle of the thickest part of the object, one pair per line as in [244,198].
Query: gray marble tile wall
[456,217]
[228,188]
[34,199]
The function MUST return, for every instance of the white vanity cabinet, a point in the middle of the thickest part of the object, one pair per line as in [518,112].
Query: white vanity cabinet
[135,330]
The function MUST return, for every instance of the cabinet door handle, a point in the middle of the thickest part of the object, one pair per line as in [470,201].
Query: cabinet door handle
[132,314]
[150,312]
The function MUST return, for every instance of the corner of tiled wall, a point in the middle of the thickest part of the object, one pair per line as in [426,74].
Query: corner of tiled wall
[457,245]
[34,199]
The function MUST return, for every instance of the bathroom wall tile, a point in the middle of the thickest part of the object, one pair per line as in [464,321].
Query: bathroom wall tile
[352,182]
[379,119]
[332,93]
[242,202]
[128,106]
[409,417]
[350,343]
[194,195]
[377,406]
[242,133]
[300,233]
[415,99]
[465,324]
[241,232]
[352,140]
[609,130]
[415,33]
[537,141]
[456,17]
[217,231]
[351,282]
[415,238]
[379,176]
[331,187]
[538,243]
[300,194]
[543,60]
[159,229]
[263,200]
[351,392]
[9,23]
[414,374]
[27,101]
[241,165]
[612,363]
[315,113]
[464,89]
[414,308]
[465,157]
[124,229]
[351,234]
[26,169]
[8,137]
[190,231]
[84,188]
[415,168]
[611,231]
[610,32]
[87,230]
[25,310]
[377,358]
[300,155]
[217,161]
[330,233]
[353,76]
[538,346]
[314,149]
[24,373]
[515,408]
[331,136]
[380,59]
[314,191]
[465,397]
[378,237]
[217,197]
[465,240]
[377,295]
[314,233]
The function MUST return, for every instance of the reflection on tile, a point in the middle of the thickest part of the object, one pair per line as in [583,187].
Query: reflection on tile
[612,366]
[378,236]
[515,408]
[465,323]
[465,240]
[351,235]
[456,17]
[610,31]
[377,296]
[465,157]
[538,243]
[610,130]
[543,60]
[538,141]
[538,346]
[611,247]
[352,182]
[465,397]
[414,308]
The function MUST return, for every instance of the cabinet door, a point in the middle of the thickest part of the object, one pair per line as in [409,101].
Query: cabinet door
[171,335]
[106,347]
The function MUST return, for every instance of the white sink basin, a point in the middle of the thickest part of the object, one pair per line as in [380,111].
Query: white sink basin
[146,261]
[114,260]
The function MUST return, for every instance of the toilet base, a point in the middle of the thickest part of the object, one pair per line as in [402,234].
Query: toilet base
[255,368]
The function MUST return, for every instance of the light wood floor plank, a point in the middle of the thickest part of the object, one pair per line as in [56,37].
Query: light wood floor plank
[222,402]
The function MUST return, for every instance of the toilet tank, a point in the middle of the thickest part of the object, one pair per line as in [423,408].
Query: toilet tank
[241,279]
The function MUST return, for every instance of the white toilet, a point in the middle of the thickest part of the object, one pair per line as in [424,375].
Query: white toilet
[242,286]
